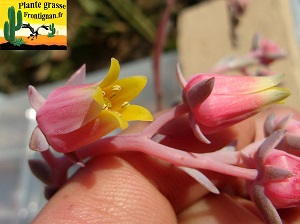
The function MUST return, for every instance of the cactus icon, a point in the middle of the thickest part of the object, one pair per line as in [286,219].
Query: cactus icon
[9,26]
[53,30]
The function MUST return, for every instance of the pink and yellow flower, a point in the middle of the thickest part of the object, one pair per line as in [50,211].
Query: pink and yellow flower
[78,114]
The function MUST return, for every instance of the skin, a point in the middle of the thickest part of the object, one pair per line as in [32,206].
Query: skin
[135,188]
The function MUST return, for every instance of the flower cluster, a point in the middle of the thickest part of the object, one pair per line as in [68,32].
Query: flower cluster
[75,119]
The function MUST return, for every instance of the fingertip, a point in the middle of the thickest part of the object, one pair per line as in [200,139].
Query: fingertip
[217,209]
[108,190]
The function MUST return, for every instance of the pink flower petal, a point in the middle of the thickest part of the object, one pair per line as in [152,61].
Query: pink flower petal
[106,122]
[236,85]
[220,111]
[77,78]
[68,108]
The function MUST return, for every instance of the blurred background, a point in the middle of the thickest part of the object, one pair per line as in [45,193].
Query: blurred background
[97,31]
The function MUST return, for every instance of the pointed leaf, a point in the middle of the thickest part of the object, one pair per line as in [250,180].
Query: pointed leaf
[199,92]
[281,124]
[41,170]
[200,178]
[180,77]
[35,98]
[196,129]
[265,206]
[275,173]
[38,141]
[269,124]
[270,143]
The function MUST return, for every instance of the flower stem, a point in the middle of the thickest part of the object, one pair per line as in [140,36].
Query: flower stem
[161,35]
[49,158]
[59,167]
[164,118]
[140,143]
[233,157]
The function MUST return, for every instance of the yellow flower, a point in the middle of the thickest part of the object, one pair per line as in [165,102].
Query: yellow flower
[77,114]
[117,93]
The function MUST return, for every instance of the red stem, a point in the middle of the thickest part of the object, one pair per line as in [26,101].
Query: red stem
[159,44]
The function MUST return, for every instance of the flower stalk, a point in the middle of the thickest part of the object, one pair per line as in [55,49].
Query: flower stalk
[75,119]
[140,143]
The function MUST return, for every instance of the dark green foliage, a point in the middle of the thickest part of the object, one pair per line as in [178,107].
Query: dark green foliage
[53,30]
[18,42]
[9,26]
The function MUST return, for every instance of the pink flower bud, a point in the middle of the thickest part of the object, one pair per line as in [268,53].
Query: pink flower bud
[277,182]
[266,51]
[232,99]
[238,7]
[282,192]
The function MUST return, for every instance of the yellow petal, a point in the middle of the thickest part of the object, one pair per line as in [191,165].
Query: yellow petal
[98,96]
[273,95]
[110,120]
[136,113]
[106,122]
[130,88]
[262,83]
[112,74]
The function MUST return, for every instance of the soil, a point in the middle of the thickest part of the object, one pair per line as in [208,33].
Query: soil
[42,42]
[9,46]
